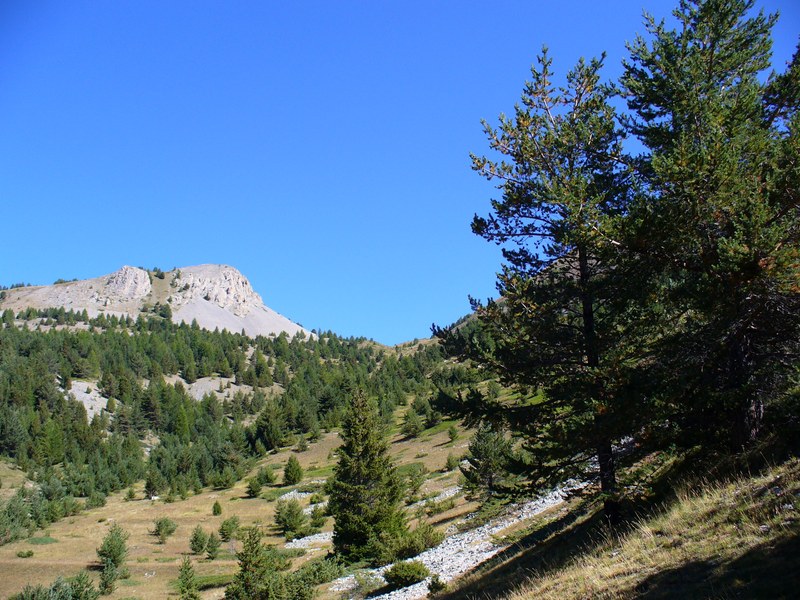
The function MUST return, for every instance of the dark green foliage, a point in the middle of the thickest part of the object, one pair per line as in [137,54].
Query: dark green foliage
[258,575]
[114,548]
[436,584]
[202,443]
[412,424]
[108,577]
[318,517]
[452,433]
[555,330]
[253,487]
[387,549]
[212,547]
[199,540]
[720,220]
[654,297]
[24,553]
[293,472]
[76,588]
[229,528]
[452,462]
[187,581]
[490,454]
[265,476]
[415,477]
[365,490]
[290,519]
[216,509]
[163,528]
[405,573]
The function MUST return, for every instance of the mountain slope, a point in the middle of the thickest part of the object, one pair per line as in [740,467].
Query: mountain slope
[217,296]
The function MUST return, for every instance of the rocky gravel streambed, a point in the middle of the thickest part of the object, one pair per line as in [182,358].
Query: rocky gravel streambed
[463,551]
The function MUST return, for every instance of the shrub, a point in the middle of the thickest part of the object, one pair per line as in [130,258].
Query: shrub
[452,433]
[452,463]
[265,476]
[318,517]
[96,500]
[228,529]
[436,584]
[164,527]
[293,473]
[289,518]
[216,510]
[212,547]
[24,553]
[198,541]
[253,487]
[406,573]
[114,548]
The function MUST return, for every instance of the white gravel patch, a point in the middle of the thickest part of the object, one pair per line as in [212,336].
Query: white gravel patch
[463,551]
[310,508]
[294,495]
[310,540]
[444,495]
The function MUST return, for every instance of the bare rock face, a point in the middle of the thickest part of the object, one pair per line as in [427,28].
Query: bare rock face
[216,296]
[221,285]
[129,283]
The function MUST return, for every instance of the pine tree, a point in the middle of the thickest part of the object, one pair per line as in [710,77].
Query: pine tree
[719,228]
[293,472]
[198,541]
[257,576]
[187,582]
[365,490]
[488,462]
[213,545]
[557,326]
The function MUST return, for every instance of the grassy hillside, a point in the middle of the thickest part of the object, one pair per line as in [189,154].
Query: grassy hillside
[738,539]
[67,546]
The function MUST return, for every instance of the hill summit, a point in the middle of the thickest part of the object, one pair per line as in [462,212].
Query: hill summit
[216,296]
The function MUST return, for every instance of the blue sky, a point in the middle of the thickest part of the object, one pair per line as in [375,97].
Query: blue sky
[322,148]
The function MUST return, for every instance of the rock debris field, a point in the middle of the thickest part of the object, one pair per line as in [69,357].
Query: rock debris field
[459,552]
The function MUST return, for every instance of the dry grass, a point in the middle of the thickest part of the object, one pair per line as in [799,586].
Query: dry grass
[733,540]
[154,566]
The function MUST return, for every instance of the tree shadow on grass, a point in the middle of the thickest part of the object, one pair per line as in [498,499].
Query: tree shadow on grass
[766,571]
[537,551]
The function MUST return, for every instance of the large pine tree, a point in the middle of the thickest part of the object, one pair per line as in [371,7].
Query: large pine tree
[720,228]
[365,491]
[557,327]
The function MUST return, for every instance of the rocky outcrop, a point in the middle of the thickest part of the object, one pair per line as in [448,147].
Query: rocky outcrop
[216,296]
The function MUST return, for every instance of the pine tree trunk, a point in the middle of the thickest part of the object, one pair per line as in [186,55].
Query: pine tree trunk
[605,453]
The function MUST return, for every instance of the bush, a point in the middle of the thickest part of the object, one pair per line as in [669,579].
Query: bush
[436,584]
[198,541]
[253,487]
[216,510]
[24,553]
[96,500]
[289,518]
[228,529]
[318,517]
[164,527]
[408,544]
[212,547]
[265,476]
[452,463]
[114,548]
[406,573]
[293,473]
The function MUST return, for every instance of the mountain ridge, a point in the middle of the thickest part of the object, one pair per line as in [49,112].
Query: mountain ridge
[214,295]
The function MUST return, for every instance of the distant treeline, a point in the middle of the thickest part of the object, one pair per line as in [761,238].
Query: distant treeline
[203,443]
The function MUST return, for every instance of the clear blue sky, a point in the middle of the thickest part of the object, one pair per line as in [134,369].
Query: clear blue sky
[319,147]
